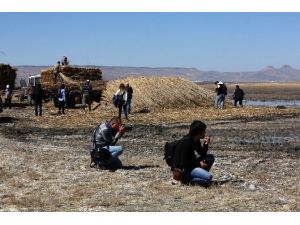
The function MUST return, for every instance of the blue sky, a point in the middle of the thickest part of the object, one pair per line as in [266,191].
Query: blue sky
[206,41]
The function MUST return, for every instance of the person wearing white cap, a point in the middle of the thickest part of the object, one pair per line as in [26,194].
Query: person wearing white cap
[221,91]
[7,97]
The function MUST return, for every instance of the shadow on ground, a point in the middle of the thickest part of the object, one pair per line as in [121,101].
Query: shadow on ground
[7,119]
[140,167]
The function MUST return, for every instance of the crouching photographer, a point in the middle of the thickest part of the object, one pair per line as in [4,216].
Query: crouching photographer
[104,152]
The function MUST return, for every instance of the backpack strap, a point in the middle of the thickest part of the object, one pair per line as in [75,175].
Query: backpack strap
[94,136]
[93,164]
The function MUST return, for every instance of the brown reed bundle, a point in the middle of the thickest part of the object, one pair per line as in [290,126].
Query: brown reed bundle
[7,75]
[162,93]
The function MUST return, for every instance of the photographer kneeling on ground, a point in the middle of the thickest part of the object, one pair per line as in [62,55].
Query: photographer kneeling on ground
[104,153]
[188,168]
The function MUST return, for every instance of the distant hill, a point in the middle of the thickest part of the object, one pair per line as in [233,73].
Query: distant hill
[284,73]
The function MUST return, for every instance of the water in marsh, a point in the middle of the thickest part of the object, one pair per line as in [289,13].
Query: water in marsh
[273,103]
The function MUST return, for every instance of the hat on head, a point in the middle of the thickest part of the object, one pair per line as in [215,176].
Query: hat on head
[7,86]
[220,82]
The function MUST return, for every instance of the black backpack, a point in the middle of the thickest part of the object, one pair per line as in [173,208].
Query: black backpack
[225,89]
[99,155]
[118,100]
[170,151]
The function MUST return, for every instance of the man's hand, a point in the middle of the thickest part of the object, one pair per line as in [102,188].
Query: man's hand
[203,165]
[207,140]
[122,129]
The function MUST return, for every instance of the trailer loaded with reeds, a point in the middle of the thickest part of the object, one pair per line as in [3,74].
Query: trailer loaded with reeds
[73,78]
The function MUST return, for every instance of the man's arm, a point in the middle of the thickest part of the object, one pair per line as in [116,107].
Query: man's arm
[119,134]
[201,150]
[106,135]
[180,155]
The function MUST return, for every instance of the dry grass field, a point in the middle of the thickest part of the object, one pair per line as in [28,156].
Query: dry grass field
[264,91]
[45,160]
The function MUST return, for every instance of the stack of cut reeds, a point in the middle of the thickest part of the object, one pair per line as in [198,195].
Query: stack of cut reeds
[7,76]
[73,78]
[162,93]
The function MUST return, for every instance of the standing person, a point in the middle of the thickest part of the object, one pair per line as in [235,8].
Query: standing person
[221,93]
[238,96]
[129,91]
[8,96]
[38,95]
[104,152]
[61,99]
[30,93]
[216,90]
[56,71]
[1,105]
[64,61]
[121,96]
[87,94]
[187,167]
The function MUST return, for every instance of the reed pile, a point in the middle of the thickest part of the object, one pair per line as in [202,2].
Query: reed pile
[7,76]
[73,78]
[162,93]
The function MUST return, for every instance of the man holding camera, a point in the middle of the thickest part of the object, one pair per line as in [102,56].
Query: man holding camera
[187,167]
[104,152]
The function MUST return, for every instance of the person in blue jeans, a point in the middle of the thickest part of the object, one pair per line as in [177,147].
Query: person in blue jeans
[221,92]
[129,91]
[187,167]
[104,138]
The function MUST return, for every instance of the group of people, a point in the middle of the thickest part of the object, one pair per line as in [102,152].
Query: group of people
[122,99]
[186,166]
[221,92]
[57,66]
[38,95]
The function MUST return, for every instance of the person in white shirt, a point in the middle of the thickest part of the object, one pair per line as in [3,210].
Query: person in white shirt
[61,99]
[121,96]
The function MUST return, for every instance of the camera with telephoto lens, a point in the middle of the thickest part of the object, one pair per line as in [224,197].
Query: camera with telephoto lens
[127,127]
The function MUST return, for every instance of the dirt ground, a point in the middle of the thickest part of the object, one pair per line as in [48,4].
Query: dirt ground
[45,162]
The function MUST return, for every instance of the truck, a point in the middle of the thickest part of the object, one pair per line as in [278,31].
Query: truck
[33,80]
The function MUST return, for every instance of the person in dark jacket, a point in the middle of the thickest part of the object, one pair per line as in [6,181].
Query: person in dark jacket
[8,96]
[87,94]
[221,91]
[187,167]
[238,96]
[129,91]
[38,95]
[106,135]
